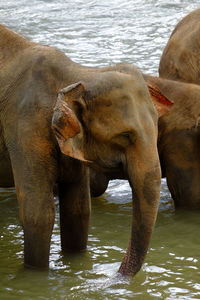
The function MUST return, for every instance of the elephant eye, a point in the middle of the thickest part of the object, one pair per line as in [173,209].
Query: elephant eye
[124,139]
[126,134]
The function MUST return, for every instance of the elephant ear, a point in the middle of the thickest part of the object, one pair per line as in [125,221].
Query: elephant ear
[65,123]
[161,102]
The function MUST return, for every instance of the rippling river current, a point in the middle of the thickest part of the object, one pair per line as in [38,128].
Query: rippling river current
[100,33]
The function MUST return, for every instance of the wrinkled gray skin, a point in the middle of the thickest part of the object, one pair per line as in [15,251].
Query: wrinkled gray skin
[31,76]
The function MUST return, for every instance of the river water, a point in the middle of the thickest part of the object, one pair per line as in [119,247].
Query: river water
[100,33]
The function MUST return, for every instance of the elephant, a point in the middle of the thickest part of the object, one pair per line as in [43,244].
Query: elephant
[178,140]
[180,62]
[180,58]
[58,119]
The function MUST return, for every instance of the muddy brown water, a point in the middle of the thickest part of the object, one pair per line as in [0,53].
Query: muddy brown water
[100,33]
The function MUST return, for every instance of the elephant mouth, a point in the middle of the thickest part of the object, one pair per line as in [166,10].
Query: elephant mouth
[116,171]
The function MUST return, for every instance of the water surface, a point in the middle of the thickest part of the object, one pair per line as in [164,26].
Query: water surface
[100,33]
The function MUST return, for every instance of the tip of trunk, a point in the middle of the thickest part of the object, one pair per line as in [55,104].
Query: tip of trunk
[129,268]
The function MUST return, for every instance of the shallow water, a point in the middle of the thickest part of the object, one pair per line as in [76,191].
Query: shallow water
[97,34]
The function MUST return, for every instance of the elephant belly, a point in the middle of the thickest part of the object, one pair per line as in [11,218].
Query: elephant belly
[6,174]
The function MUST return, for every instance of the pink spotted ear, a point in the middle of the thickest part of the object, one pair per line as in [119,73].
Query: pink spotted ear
[65,123]
[161,103]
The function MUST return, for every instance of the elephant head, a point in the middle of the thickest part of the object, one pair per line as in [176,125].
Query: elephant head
[179,140]
[115,129]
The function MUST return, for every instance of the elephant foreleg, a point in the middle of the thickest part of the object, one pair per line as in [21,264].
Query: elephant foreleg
[34,188]
[37,233]
[75,210]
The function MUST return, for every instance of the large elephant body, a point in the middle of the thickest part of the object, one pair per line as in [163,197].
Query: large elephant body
[107,121]
[179,147]
[180,59]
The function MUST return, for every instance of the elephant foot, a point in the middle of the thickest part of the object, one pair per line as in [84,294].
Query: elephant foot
[74,233]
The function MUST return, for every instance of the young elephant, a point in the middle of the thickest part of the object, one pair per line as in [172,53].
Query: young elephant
[178,141]
[117,124]
[109,120]
[180,58]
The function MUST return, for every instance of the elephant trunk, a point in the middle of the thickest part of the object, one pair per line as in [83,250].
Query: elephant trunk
[145,180]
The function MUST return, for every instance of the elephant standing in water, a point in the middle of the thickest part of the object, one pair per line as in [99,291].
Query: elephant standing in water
[181,61]
[178,140]
[107,121]
[178,130]
[181,57]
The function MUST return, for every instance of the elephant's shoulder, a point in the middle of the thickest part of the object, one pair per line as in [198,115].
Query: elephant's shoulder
[44,56]
[47,62]
[184,116]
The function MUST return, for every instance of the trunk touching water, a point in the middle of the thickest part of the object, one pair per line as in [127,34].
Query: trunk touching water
[145,180]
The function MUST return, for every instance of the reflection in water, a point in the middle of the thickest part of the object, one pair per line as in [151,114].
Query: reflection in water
[95,34]
[171,269]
